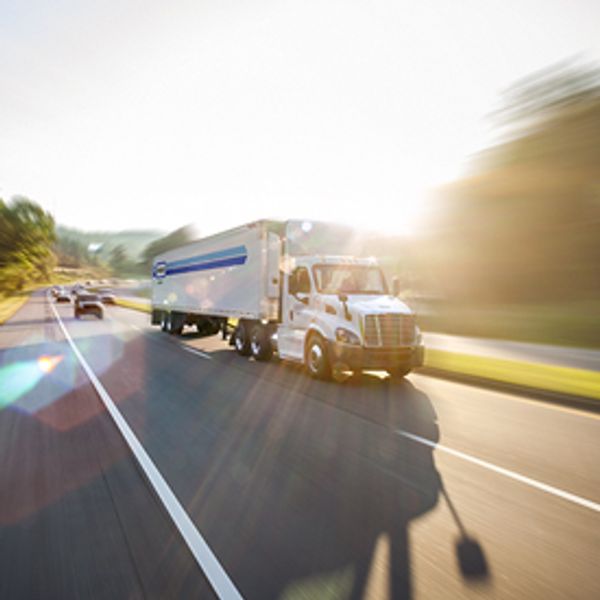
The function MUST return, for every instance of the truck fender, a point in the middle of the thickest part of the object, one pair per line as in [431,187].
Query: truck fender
[314,328]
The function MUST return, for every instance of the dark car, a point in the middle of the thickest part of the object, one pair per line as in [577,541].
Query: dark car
[88,304]
[62,295]
[107,297]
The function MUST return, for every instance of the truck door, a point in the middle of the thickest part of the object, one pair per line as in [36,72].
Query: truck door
[296,314]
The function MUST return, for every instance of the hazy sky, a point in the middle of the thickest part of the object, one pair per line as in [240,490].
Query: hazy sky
[131,114]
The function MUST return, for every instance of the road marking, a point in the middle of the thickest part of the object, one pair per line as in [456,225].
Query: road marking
[135,327]
[197,352]
[544,487]
[208,562]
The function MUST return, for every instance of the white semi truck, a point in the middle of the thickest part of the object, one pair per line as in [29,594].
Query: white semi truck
[275,286]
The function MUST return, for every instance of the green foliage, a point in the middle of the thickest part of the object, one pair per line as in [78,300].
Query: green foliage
[134,242]
[525,226]
[72,253]
[120,263]
[26,237]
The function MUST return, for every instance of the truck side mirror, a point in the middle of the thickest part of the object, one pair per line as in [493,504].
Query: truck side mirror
[395,286]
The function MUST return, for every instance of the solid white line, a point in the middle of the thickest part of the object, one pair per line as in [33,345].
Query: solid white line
[544,487]
[198,352]
[215,573]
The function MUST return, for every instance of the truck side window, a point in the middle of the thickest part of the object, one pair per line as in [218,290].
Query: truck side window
[299,282]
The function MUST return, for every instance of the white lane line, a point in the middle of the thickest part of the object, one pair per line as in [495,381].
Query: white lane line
[208,562]
[197,352]
[135,327]
[544,487]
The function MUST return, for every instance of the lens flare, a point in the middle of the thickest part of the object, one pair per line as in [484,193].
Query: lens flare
[47,364]
[19,378]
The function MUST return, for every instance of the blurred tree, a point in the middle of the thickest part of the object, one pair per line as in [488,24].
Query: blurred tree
[118,260]
[26,238]
[525,226]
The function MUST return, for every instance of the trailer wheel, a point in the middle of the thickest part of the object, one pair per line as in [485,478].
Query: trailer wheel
[241,340]
[176,321]
[260,344]
[316,359]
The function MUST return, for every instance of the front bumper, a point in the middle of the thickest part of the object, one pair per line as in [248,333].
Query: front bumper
[359,357]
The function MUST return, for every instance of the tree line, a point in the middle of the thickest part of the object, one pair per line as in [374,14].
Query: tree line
[27,235]
[524,225]
[32,246]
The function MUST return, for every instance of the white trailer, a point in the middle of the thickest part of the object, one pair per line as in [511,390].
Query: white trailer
[332,313]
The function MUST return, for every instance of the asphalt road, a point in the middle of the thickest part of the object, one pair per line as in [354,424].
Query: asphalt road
[302,489]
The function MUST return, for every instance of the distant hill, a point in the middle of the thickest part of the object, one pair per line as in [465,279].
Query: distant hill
[134,241]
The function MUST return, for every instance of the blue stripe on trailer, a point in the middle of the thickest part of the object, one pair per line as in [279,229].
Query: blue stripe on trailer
[206,266]
[236,255]
[211,256]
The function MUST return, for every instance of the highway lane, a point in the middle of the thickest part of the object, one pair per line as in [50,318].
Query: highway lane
[305,488]
[77,519]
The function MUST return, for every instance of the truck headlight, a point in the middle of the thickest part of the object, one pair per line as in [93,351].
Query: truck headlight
[345,336]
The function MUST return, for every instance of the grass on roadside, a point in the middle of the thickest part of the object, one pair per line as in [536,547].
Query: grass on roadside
[126,303]
[11,304]
[561,380]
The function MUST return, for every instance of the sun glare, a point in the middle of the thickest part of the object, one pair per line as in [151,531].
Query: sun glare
[47,364]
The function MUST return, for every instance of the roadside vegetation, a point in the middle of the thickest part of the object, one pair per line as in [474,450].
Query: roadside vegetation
[548,378]
[513,248]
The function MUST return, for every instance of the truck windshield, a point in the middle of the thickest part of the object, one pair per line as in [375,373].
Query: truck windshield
[349,279]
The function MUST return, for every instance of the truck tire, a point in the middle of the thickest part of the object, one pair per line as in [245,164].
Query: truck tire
[241,340]
[316,359]
[260,343]
[176,321]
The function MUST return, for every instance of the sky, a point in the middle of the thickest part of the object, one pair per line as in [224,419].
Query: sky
[151,114]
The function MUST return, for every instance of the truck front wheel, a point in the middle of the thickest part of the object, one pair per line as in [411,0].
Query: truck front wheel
[316,359]
[260,344]
[241,340]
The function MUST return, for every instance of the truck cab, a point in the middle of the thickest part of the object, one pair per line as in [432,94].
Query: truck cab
[338,314]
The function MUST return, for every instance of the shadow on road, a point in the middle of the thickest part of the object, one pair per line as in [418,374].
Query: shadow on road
[302,488]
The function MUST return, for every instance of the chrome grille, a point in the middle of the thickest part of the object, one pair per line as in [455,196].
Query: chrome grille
[389,330]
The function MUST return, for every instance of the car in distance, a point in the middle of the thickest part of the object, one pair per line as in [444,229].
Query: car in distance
[88,304]
[76,289]
[107,297]
[62,295]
